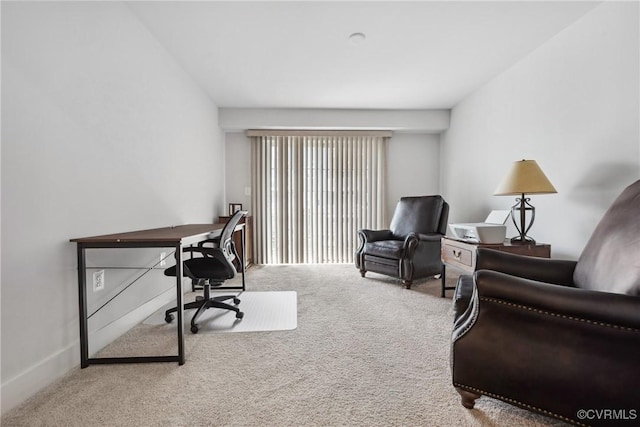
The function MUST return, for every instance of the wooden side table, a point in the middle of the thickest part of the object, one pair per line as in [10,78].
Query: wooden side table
[462,255]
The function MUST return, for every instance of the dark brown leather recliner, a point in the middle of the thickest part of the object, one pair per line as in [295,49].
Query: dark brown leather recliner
[557,337]
[410,248]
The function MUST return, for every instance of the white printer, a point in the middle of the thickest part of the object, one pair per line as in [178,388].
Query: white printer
[491,231]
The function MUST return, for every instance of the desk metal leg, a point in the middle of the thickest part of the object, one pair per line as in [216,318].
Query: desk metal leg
[85,360]
[180,306]
[244,255]
[82,307]
[444,286]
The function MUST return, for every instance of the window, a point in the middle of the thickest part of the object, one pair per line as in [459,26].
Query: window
[312,192]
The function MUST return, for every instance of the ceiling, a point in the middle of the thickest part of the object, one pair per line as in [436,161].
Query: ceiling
[297,54]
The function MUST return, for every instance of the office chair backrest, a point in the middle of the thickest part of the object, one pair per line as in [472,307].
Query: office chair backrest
[226,240]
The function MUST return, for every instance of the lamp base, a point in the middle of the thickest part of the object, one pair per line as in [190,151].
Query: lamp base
[519,241]
[518,211]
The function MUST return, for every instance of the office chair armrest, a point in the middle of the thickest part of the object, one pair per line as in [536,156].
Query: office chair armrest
[215,241]
[201,250]
[217,253]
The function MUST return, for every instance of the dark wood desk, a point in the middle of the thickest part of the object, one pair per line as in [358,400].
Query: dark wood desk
[169,237]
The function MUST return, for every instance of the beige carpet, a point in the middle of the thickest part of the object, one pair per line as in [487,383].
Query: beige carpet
[366,352]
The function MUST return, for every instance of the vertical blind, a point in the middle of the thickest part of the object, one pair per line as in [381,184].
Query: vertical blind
[311,193]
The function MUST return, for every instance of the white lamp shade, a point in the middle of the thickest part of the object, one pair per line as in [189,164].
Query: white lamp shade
[525,177]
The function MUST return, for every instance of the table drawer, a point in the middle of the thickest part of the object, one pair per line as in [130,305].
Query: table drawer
[458,256]
[462,255]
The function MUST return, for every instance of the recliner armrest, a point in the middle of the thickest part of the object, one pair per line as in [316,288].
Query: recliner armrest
[595,307]
[413,240]
[430,237]
[559,272]
[375,235]
[462,296]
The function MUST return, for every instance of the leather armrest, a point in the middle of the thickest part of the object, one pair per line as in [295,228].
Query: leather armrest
[422,238]
[559,272]
[462,295]
[431,237]
[579,304]
[374,235]
[412,241]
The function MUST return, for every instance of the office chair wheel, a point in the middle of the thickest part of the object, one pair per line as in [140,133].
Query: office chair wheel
[195,329]
[239,315]
[168,318]
[236,301]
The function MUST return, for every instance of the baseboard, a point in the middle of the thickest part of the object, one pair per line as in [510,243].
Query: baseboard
[19,388]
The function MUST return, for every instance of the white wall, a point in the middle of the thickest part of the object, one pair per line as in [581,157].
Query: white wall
[101,132]
[238,170]
[413,152]
[572,105]
[415,121]
[413,167]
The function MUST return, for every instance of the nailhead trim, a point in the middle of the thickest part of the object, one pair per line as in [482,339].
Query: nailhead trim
[558,315]
[548,313]
[517,402]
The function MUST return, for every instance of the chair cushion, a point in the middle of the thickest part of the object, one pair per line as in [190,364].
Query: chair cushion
[385,248]
[204,268]
[611,260]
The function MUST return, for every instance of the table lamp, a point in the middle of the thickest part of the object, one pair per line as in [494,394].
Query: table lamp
[524,177]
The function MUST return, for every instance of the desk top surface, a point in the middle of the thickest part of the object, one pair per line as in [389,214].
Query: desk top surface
[175,234]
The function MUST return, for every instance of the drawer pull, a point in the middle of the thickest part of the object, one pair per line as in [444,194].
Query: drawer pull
[457,254]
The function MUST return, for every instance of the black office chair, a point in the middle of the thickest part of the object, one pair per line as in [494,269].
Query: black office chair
[209,270]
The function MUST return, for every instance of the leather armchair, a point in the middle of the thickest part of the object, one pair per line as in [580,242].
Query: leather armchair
[558,337]
[410,248]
